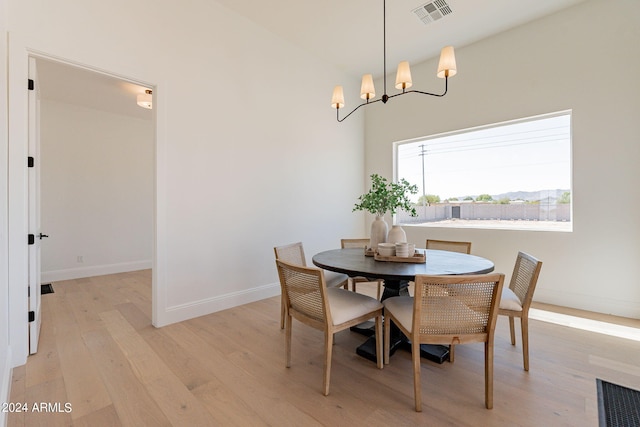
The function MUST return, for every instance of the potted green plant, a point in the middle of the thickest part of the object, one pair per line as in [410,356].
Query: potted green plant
[383,197]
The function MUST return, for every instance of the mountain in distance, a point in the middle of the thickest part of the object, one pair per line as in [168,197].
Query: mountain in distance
[529,196]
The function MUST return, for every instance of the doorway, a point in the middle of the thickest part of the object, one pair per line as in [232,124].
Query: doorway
[97,173]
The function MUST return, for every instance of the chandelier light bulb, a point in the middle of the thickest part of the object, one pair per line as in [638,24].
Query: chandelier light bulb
[337,99]
[367,90]
[447,64]
[403,76]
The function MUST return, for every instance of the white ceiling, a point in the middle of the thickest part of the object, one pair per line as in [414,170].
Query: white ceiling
[346,33]
[349,33]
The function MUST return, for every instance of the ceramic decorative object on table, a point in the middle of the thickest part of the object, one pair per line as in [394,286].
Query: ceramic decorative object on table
[378,234]
[402,249]
[386,197]
[397,235]
[387,249]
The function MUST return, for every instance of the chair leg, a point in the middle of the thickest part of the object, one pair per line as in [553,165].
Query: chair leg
[283,311]
[379,294]
[524,325]
[513,330]
[488,374]
[452,353]
[287,340]
[387,339]
[379,339]
[417,390]
[328,351]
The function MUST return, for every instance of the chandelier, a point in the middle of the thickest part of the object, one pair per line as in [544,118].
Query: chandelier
[446,69]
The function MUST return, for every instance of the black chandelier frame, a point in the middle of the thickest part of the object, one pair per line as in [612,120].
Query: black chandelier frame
[385,97]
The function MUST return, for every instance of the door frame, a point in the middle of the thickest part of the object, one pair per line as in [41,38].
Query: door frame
[18,194]
[33,181]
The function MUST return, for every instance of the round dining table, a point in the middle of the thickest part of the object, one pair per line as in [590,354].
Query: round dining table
[396,276]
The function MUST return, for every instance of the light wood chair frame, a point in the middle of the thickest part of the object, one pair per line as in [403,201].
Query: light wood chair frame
[523,283]
[287,273]
[449,245]
[361,243]
[293,253]
[424,287]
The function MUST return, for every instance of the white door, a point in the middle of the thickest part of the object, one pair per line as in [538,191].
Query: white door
[35,234]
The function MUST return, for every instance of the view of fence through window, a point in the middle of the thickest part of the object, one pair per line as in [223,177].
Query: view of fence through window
[515,174]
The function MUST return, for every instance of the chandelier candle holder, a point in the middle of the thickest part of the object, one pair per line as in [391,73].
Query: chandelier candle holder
[446,69]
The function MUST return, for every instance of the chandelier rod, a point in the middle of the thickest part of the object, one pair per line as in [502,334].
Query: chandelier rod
[384,49]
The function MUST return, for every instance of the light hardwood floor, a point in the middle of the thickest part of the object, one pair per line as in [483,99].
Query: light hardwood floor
[100,353]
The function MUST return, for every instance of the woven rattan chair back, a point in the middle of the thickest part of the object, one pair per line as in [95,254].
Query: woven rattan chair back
[525,277]
[523,284]
[292,253]
[304,292]
[354,243]
[455,309]
[449,245]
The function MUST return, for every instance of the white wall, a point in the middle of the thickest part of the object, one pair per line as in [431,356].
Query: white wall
[238,127]
[96,192]
[579,59]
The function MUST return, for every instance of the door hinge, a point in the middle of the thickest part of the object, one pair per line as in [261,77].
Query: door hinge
[31,239]
[30,161]
[32,84]
[32,316]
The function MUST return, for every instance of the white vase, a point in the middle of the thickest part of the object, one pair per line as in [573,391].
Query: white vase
[397,235]
[378,234]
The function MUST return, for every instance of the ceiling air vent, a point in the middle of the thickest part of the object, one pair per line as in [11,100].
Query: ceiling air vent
[433,11]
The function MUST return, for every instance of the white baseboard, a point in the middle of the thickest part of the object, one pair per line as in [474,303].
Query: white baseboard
[597,304]
[96,270]
[5,384]
[179,313]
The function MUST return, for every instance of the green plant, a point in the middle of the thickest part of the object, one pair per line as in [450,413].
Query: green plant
[428,199]
[386,197]
[565,198]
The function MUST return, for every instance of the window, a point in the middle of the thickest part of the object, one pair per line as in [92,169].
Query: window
[514,175]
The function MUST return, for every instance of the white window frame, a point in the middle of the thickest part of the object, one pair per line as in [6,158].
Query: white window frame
[488,223]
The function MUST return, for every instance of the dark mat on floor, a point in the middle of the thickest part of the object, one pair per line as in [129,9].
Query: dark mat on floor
[46,289]
[618,406]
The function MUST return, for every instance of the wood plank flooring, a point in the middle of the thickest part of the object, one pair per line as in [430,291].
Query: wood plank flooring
[100,354]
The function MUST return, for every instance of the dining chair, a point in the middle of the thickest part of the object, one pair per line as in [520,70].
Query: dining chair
[516,299]
[449,245]
[360,243]
[310,301]
[294,253]
[447,310]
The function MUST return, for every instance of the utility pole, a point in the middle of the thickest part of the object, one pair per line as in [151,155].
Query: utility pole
[423,154]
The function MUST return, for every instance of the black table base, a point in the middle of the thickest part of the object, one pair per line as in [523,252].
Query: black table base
[435,353]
